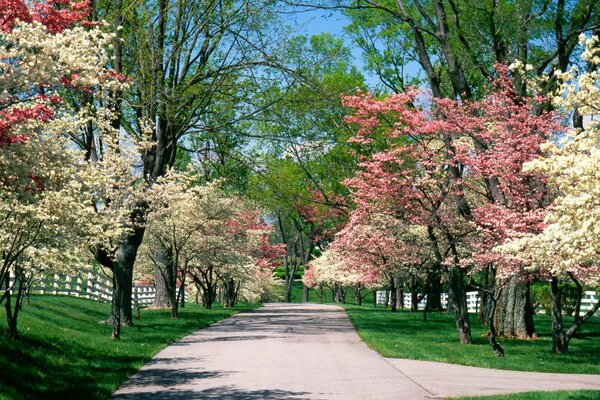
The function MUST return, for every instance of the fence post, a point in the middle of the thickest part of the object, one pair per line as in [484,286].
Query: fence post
[78,286]
[68,281]
[55,285]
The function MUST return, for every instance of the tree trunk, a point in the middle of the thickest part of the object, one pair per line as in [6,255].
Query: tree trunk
[181,292]
[229,293]
[482,314]
[162,297]
[123,281]
[338,294]
[414,294]
[305,293]
[560,342]
[400,296]
[457,303]
[357,295]
[12,314]
[393,294]
[115,317]
[207,298]
[491,305]
[514,312]
[165,280]
[290,273]
[434,294]
[288,284]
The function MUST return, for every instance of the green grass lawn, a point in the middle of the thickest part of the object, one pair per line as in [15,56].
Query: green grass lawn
[558,395]
[65,352]
[324,296]
[406,335]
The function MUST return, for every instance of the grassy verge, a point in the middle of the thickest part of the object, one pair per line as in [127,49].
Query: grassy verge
[559,395]
[406,335]
[64,352]
[324,296]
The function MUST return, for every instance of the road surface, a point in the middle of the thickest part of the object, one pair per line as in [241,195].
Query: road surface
[310,351]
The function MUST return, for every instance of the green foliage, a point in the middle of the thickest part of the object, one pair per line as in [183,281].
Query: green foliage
[304,138]
[65,351]
[540,297]
[406,335]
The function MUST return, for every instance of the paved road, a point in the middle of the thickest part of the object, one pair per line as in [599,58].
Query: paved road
[308,351]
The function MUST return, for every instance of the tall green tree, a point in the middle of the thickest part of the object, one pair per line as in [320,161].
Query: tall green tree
[304,150]
[180,56]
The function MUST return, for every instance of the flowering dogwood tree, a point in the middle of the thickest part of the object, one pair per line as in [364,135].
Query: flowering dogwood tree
[372,250]
[47,189]
[454,168]
[567,245]
[217,240]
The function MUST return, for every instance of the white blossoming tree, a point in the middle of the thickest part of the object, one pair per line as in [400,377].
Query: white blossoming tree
[46,199]
[198,233]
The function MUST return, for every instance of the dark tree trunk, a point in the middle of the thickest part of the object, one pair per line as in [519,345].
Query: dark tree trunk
[491,305]
[393,294]
[207,298]
[175,305]
[181,292]
[457,303]
[172,280]
[229,293]
[358,295]
[560,342]
[434,294]
[115,317]
[414,294]
[482,314]
[400,296]
[12,313]
[205,280]
[514,311]
[339,294]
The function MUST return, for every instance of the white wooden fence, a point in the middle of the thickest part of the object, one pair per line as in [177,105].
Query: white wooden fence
[90,286]
[588,300]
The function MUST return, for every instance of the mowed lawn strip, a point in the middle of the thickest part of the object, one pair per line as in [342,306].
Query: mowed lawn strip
[65,352]
[405,335]
[558,395]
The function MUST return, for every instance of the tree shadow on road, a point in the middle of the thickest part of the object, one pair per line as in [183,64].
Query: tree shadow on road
[170,377]
[221,392]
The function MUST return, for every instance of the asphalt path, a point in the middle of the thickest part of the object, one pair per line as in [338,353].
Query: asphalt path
[310,351]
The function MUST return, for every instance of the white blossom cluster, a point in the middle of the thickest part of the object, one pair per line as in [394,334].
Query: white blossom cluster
[50,195]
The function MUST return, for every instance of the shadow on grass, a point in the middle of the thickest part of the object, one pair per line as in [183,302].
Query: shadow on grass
[64,353]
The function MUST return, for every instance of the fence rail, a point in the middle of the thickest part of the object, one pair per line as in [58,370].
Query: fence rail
[89,286]
[588,301]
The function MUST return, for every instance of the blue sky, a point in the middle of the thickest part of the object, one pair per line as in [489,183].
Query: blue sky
[319,21]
